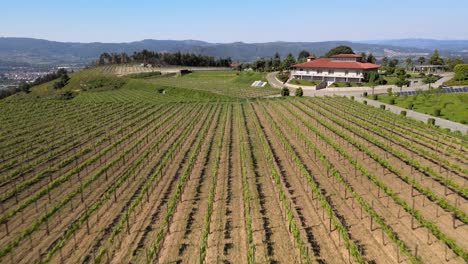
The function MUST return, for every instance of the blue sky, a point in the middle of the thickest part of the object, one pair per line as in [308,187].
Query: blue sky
[237,20]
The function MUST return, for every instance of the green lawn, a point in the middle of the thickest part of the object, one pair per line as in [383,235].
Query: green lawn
[456,83]
[349,84]
[228,83]
[452,106]
[304,82]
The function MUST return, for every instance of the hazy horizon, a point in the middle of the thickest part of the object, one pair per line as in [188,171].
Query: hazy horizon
[240,41]
[233,21]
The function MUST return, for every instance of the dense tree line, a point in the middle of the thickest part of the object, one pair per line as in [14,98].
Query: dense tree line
[162,59]
[60,73]
[277,64]
[5,92]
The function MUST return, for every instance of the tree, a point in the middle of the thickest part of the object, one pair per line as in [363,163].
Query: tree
[452,62]
[399,72]
[408,63]
[269,65]
[393,63]
[276,62]
[402,81]
[288,62]
[65,78]
[363,57]
[435,58]
[371,58]
[430,78]
[25,87]
[373,78]
[385,61]
[303,56]
[62,82]
[299,92]
[285,91]
[421,60]
[461,72]
[339,50]
[259,65]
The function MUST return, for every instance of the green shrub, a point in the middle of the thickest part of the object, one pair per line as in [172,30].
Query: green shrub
[67,95]
[437,112]
[299,92]
[348,84]
[364,102]
[389,91]
[459,76]
[142,75]
[431,121]
[375,97]
[461,69]
[364,94]
[352,98]
[104,83]
[285,91]
[283,76]
[392,101]
[403,113]
[382,107]
[410,106]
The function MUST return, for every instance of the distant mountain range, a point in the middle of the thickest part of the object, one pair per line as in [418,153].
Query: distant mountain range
[431,44]
[38,51]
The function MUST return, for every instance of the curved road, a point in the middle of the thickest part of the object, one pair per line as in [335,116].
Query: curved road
[273,81]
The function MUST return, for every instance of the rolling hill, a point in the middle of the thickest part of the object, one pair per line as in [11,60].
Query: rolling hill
[38,51]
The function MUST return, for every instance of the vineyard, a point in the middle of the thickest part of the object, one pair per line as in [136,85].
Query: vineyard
[127,176]
[127,69]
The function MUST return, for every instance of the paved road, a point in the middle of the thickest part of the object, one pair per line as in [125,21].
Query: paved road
[273,81]
[418,116]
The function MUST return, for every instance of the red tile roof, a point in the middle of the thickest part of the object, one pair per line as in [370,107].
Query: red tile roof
[328,63]
[346,56]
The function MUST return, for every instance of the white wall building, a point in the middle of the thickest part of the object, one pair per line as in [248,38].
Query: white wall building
[338,68]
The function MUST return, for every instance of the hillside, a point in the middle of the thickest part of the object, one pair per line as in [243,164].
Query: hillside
[196,168]
[38,51]
[448,45]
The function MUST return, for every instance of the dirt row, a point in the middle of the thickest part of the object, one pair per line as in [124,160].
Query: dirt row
[78,203]
[396,215]
[429,210]
[34,210]
[125,196]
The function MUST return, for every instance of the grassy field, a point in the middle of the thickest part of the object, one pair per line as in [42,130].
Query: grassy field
[452,106]
[194,169]
[304,82]
[229,83]
[456,83]
[201,85]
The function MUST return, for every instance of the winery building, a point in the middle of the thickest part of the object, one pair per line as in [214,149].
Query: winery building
[338,68]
